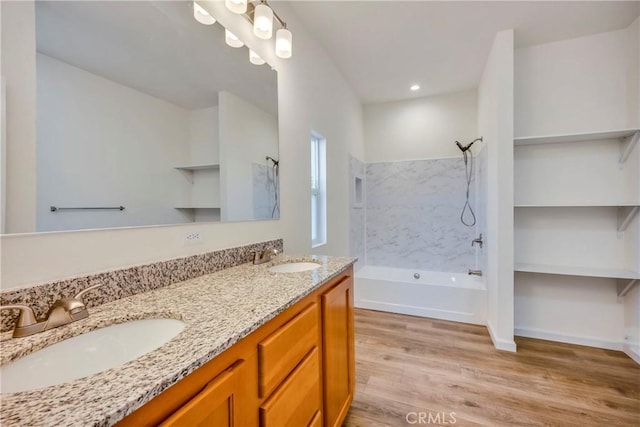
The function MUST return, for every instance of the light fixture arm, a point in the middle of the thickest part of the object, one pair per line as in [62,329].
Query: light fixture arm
[251,11]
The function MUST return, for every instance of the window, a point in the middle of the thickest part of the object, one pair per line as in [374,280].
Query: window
[318,191]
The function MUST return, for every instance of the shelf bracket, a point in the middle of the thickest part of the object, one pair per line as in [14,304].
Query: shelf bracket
[624,286]
[625,216]
[628,144]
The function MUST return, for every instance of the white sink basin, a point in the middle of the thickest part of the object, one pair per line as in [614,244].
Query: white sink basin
[294,267]
[87,354]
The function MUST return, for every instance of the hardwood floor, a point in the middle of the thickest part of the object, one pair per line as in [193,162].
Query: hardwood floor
[410,367]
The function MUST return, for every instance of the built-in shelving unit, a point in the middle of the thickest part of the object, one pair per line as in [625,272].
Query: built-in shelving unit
[573,202]
[204,198]
[576,271]
[209,166]
[576,137]
[197,207]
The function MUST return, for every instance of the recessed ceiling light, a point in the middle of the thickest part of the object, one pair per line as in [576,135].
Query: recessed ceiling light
[414,87]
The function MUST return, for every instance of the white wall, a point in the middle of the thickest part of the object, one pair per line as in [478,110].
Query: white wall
[579,310]
[578,85]
[203,135]
[205,189]
[420,128]
[86,126]
[312,95]
[495,124]
[632,324]
[247,135]
[19,73]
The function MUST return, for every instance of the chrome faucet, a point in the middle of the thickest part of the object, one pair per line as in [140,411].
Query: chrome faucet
[475,272]
[62,312]
[264,256]
[477,240]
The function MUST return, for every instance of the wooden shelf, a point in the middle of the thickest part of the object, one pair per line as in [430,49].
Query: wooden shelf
[577,271]
[576,137]
[209,166]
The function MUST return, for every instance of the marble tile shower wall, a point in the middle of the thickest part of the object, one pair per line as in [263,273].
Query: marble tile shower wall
[413,215]
[356,211]
[266,189]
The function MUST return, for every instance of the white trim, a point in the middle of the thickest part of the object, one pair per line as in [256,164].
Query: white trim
[499,343]
[569,339]
[633,351]
[434,313]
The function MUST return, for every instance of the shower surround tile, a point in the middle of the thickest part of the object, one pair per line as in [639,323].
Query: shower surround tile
[356,212]
[413,215]
[265,192]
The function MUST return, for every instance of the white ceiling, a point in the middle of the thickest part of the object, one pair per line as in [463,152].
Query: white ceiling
[156,47]
[382,47]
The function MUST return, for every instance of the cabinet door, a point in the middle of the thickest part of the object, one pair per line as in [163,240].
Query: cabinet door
[338,351]
[218,404]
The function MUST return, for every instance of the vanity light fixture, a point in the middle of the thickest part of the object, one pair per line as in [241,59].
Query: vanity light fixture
[261,16]
[201,15]
[231,39]
[263,21]
[255,59]
[283,43]
[414,87]
[236,6]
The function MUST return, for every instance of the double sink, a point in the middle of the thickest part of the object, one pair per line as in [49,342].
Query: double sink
[101,349]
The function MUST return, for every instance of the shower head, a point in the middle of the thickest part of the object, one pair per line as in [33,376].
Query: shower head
[276,164]
[467,147]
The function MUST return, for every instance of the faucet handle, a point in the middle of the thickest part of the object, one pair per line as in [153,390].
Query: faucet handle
[26,317]
[80,295]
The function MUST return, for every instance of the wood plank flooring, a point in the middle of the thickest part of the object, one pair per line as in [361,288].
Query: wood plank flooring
[410,367]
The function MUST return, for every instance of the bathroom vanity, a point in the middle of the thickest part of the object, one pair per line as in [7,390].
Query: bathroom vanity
[296,370]
[260,348]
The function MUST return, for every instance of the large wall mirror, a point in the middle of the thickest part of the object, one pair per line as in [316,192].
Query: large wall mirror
[140,106]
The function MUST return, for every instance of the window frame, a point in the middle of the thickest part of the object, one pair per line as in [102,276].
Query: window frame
[318,190]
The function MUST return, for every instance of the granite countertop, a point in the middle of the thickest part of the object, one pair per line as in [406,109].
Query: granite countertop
[219,310]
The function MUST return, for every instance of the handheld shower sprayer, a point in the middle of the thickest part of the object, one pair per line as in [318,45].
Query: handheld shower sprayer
[468,169]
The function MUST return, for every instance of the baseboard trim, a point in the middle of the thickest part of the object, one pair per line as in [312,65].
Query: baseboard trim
[633,351]
[568,339]
[434,313]
[501,344]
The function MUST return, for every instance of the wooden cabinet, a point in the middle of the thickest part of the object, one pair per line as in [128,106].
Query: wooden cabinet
[338,351]
[296,370]
[297,400]
[219,404]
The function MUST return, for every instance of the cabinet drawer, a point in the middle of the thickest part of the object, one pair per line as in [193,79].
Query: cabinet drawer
[297,401]
[281,352]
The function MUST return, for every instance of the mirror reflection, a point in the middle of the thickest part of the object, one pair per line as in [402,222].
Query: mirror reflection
[141,107]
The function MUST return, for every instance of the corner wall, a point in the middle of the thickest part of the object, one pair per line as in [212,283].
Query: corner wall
[495,124]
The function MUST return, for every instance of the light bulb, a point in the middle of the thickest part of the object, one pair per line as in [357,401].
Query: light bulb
[231,39]
[201,15]
[255,59]
[263,22]
[236,6]
[415,87]
[283,43]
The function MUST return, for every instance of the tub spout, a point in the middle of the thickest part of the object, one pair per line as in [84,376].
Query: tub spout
[475,272]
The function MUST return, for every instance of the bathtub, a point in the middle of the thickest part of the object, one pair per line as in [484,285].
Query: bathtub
[449,296]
